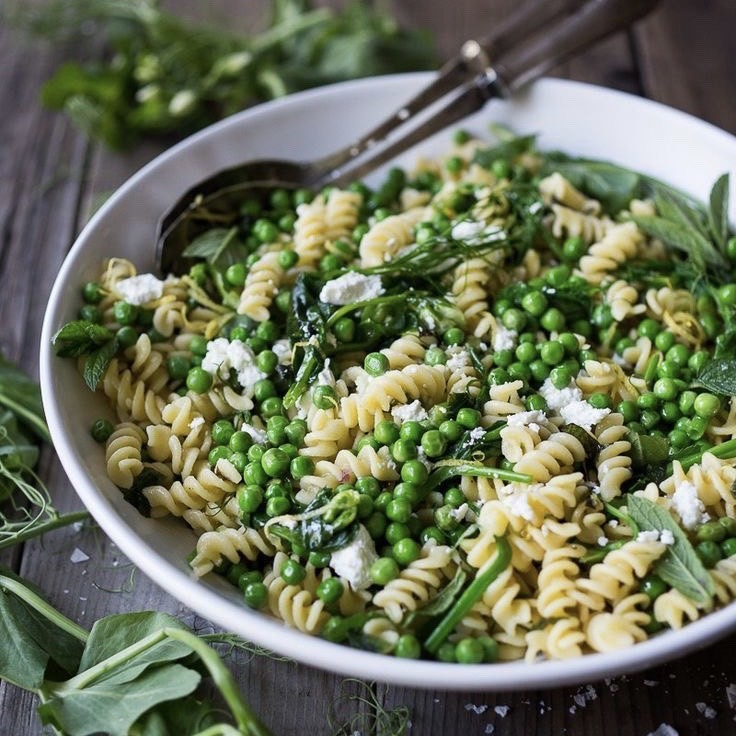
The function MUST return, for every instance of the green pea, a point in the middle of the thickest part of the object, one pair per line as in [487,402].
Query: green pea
[125,313]
[729,525]
[382,500]
[446,652]
[198,345]
[399,509]
[728,547]
[324,397]
[369,486]
[292,572]
[444,518]
[198,380]
[678,354]
[665,389]
[403,450]
[277,506]
[101,430]
[503,358]
[344,329]
[255,595]
[265,231]
[435,356]
[706,405]
[451,430]
[697,427]
[386,432]
[177,365]
[415,472]
[653,586]
[649,418]
[408,647]
[553,320]
[469,651]
[454,497]
[535,303]
[376,364]
[552,352]
[709,553]
[405,551]
[711,531]
[649,328]
[128,336]
[501,306]
[668,369]
[92,292]
[221,452]
[468,418]
[560,377]
[301,466]
[330,590]
[453,336]
[687,402]
[514,319]
[526,352]
[384,570]
[535,402]
[376,524]
[433,443]
[647,400]
[558,276]
[678,439]
[271,406]
[432,532]
[670,411]
[222,432]
[235,274]
[275,462]
[600,400]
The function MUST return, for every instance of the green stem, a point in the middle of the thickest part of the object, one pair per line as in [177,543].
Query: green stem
[340,313]
[723,451]
[448,471]
[622,517]
[45,609]
[650,372]
[220,729]
[290,27]
[248,722]
[484,577]
[36,422]
[38,529]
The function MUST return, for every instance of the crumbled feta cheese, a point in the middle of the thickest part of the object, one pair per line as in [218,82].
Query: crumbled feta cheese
[457,358]
[326,377]
[460,512]
[557,398]
[527,419]
[414,412]
[582,414]
[602,541]
[353,561]
[467,230]
[224,355]
[282,348]
[477,433]
[666,537]
[196,422]
[259,436]
[504,339]
[423,459]
[140,289]
[517,501]
[351,287]
[648,536]
[687,504]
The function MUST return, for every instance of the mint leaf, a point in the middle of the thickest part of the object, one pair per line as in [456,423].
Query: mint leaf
[680,566]
[718,210]
[80,338]
[218,246]
[719,376]
[97,362]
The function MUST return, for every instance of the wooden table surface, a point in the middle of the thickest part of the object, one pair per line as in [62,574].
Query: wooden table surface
[50,177]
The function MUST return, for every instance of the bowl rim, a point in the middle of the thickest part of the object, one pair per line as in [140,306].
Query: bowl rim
[273,634]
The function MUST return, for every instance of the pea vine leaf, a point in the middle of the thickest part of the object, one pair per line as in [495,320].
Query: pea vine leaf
[719,376]
[680,566]
[718,211]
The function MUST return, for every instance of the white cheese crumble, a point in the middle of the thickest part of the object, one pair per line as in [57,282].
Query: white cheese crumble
[353,561]
[530,419]
[687,504]
[351,287]
[556,398]
[196,422]
[517,501]
[259,436]
[460,512]
[582,414]
[504,339]
[140,289]
[326,377]
[224,355]
[457,358]
[414,412]
[477,433]
[282,349]
[602,541]
[651,535]
[467,230]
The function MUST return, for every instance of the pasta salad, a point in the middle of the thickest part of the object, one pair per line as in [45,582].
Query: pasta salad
[482,411]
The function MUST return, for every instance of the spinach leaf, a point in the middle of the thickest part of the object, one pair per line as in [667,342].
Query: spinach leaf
[307,328]
[718,211]
[680,566]
[648,450]
[719,376]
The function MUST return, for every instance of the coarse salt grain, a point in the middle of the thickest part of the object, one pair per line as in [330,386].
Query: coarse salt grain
[502,710]
[477,709]
[78,556]
[664,729]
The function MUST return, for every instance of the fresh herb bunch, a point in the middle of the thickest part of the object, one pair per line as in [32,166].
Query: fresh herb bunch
[164,75]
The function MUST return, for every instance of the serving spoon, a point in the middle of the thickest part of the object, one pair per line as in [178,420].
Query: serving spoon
[531,41]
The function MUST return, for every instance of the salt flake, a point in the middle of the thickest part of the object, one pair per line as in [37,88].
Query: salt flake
[78,556]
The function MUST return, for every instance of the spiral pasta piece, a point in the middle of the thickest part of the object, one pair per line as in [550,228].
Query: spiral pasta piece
[261,286]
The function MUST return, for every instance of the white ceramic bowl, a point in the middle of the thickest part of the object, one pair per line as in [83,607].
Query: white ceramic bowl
[573,117]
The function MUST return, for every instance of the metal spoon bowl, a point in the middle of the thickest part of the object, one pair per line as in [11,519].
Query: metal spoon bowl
[533,40]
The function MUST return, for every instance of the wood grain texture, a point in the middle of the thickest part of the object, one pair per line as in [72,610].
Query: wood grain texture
[50,178]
